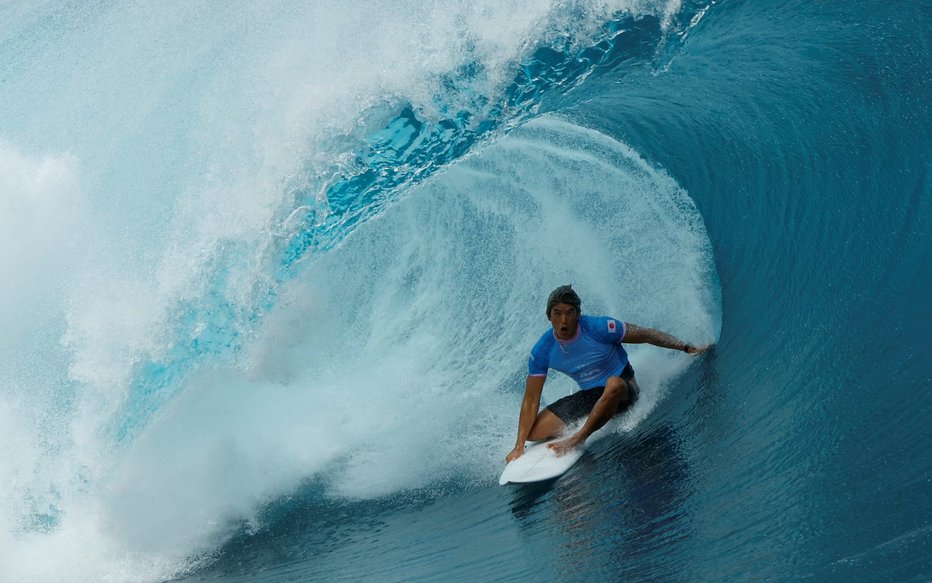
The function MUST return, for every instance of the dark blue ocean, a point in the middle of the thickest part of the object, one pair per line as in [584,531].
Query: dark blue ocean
[271,273]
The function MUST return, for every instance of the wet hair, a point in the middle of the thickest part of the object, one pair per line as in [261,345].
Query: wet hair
[563,295]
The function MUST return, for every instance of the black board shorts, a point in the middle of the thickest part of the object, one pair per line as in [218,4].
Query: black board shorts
[579,404]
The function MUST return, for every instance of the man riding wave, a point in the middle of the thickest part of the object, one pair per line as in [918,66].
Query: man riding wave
[589,350]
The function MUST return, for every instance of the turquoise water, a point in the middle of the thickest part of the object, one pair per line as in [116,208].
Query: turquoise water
[273,273]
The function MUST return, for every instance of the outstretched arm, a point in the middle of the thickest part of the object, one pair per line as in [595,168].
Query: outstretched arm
[529,407]
[635,334]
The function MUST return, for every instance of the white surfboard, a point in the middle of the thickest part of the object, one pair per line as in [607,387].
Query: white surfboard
[538,463]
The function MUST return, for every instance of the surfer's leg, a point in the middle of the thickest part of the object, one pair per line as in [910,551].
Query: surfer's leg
[546,426]
[616,392]
[556,417]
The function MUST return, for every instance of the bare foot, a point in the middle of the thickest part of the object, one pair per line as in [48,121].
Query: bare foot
[564,445]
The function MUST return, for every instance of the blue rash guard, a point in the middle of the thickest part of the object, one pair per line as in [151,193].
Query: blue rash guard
[593,355]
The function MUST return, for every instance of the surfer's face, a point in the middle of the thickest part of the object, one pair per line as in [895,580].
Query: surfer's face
[564,319]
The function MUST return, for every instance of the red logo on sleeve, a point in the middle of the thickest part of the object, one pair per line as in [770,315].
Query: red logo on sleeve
[611,325]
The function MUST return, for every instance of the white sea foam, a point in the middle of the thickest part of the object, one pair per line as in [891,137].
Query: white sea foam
[145,145]
[420,349]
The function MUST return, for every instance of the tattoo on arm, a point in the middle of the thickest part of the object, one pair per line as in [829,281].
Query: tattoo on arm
[635,334]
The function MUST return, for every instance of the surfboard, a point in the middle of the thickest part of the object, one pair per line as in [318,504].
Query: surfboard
[539,463]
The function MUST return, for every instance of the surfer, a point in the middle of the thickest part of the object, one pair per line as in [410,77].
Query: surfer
[589,350]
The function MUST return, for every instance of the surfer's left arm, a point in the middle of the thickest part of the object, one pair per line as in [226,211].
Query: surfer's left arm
[635,334]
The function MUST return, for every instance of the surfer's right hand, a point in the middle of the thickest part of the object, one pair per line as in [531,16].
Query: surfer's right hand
[515,454]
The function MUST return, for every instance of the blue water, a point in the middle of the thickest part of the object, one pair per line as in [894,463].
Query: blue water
[271,276]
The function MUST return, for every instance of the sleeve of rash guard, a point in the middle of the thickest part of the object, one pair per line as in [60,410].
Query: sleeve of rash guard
[539,361]
[609,330]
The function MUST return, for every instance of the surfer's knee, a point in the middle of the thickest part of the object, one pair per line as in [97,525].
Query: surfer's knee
[616,388]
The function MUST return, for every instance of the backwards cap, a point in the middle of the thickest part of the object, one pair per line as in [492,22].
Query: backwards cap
[563,295]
